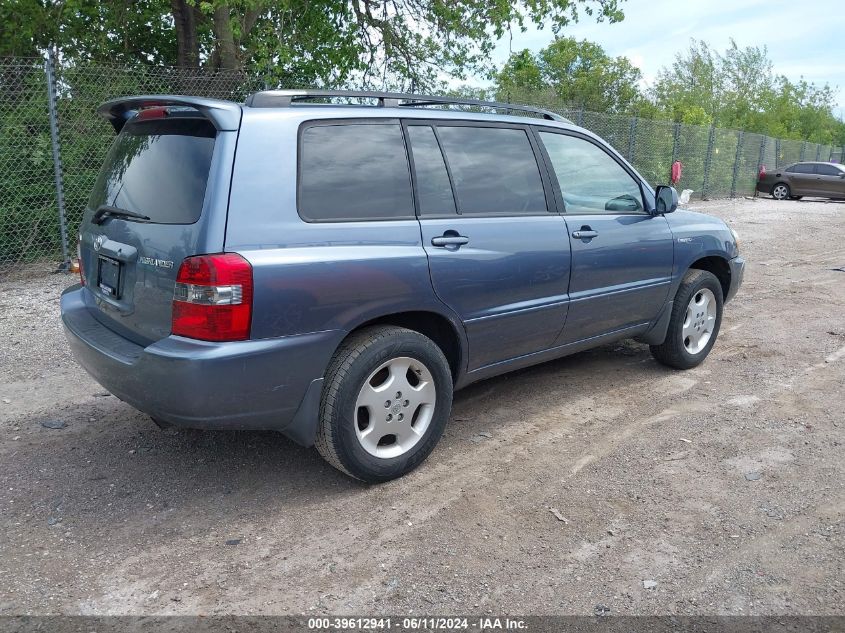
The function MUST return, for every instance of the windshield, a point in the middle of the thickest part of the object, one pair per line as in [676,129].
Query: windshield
[158,168]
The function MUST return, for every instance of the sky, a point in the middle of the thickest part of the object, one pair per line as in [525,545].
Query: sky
[804,37]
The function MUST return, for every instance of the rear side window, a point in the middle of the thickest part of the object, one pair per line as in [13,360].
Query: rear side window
[591,181]
[356,171]
[494,170]
[801,168]
[158,168]
[434,193]
[829,170]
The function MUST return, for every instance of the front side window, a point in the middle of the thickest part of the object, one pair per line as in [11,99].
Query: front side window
[829,170]
[494,170]
[591,181]
[355,171]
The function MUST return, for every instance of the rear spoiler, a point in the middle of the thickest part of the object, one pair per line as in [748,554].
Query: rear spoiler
[225,115]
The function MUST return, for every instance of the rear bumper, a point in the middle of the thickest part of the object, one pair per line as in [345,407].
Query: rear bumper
[737,265]
[269,384]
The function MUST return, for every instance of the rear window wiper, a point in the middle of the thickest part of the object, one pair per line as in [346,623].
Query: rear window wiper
[105,211]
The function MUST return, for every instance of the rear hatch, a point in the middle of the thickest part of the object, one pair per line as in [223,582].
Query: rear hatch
[161,196]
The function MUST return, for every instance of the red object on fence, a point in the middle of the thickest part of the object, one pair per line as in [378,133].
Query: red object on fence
[677,172]
[762,173]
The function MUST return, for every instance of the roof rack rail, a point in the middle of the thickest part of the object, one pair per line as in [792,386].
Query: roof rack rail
[284,98]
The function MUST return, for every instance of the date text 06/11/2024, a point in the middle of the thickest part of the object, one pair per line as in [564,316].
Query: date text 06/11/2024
[421,623]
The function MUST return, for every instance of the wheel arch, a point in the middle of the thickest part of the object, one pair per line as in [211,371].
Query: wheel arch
[717,265]
[445,333]
[785,184]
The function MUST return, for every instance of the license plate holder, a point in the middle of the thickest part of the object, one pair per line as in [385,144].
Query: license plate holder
[108,278]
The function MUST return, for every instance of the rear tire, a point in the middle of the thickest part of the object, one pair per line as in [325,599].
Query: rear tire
[695,321]
[780,191]
[386,400]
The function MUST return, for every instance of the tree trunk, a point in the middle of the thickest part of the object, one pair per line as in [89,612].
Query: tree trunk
[225,38]
[187,44]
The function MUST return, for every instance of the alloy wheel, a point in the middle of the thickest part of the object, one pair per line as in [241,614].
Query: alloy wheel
[394,407]
[699,321]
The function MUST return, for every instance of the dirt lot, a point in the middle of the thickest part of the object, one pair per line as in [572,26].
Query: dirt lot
[718,490]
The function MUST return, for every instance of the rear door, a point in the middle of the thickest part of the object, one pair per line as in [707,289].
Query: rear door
[498,253]
[160,197]
[621,255]
[802,179]
[830,180]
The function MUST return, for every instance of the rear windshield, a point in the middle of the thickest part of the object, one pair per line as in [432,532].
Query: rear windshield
[158,168]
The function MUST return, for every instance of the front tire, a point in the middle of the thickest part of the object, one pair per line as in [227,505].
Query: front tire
[780,191]
[385,403]
[695,321]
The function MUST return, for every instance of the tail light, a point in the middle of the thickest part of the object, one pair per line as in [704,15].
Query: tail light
[212,300]
[152,113]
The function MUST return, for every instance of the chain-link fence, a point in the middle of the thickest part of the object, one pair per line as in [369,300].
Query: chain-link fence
[52,145]
[29,218]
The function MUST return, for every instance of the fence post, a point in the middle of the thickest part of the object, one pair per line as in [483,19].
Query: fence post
[803,150]
[763,143]
[50,71]
[707,161]
[777,153]
[818,152]
[581,117]
[631,136]
[760,159]
[676,141]
[739,143]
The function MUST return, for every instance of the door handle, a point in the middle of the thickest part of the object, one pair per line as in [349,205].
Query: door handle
[449,240]
[585,234]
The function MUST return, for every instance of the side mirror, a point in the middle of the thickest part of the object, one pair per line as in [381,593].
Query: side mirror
[666,200]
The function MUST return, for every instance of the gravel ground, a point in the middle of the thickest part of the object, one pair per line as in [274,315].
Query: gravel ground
[602,482]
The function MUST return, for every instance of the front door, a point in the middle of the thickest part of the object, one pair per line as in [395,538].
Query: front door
[497,255]
[621,255]
[830,180]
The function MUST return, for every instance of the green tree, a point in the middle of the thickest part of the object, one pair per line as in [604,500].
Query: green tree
[801,110]
[410,43]
[521,75]
[738,89]
[692,83]
[110,31]
[746,82]
[585,75]
[578,73]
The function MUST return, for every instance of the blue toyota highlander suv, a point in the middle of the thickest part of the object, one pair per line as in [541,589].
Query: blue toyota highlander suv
[335,271]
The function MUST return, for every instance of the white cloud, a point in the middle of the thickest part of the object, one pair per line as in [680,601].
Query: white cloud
[635,57]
